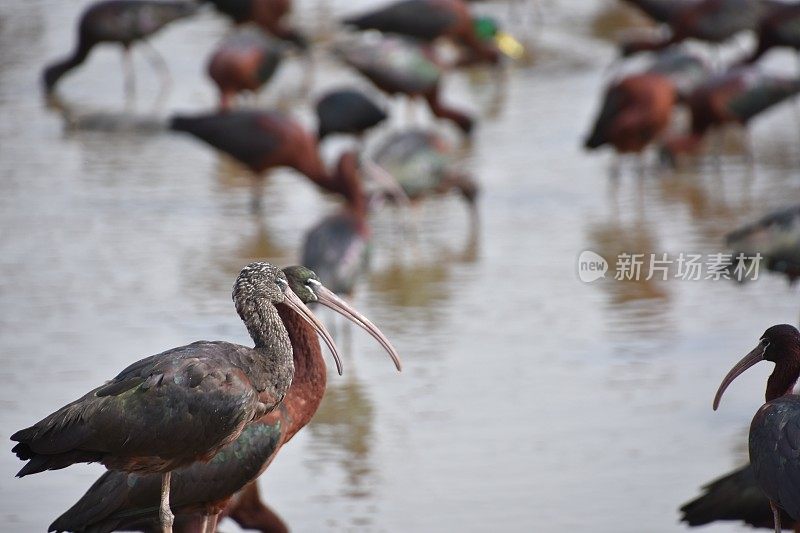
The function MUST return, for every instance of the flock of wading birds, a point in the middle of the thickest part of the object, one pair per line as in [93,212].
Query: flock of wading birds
[189,430]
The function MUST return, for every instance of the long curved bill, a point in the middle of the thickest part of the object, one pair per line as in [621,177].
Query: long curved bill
[755,356]
[297,305]
[381,176]
[329,299]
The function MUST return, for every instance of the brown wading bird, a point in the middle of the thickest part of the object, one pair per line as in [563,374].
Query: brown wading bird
[638,108]
[712,21]
[398,66]
[735,497]
[735,96]
[428,20]
[261,140]
[243,61]
[269,15]
[347,111]
[118,21]
[775,429]
[183,405]
[119,500]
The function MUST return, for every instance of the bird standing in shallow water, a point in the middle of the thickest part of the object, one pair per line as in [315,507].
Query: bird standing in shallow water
[398,66]
[712,21]
[422,164]
[118,21]
[775,429]
[269,15]
[119,500]
[261,140]
[180,406]
[243,61]
[337,247]
[735,96]
[428,20]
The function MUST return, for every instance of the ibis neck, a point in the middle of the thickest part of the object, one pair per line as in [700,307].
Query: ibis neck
[54,72]
[783,379]
[308,385]
[271,342]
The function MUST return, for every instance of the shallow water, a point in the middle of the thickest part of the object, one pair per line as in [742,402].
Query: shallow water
[529,400]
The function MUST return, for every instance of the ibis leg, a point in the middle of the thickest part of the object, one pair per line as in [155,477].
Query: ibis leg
[776,516]
[130,83]
[165,515]
[210,522]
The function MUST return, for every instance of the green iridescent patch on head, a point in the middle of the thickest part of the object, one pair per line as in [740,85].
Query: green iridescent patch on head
[299,278]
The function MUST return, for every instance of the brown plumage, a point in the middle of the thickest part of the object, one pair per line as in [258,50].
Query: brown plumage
[635,112]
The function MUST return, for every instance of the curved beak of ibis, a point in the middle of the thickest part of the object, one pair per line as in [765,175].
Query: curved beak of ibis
[329,299]
[388,183]
[509,45]
[300,308]
[747,361]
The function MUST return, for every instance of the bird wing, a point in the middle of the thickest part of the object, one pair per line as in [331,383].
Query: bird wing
[177,405]
[120,500]
[240,134]
[775,452]
[421,19]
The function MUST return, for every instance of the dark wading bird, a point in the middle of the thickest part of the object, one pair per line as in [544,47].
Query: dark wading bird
[398,66]
[661,11]
[735,497]
[261,140]
[347,111]
[735,96]
[118,21]
[776,237]
[337,248]
[119,500]
[637,108]
[180,406]
[780,27]
[422,164]
[243,61]
[713,21]
[428,20]
[775,429]
[269,15]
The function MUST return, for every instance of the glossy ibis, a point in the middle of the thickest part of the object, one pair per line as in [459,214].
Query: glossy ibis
[735,497]
[637,108]
[261,140]
[775,429]
[118,21]
[337,247]
[428,20]
[713,21]
[180,406]
[779,27]
[269,15]
[119,500]
[776,237]
[398,66]
[244,61]
[735,96]
[422,163]
[348,111]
